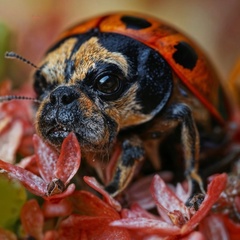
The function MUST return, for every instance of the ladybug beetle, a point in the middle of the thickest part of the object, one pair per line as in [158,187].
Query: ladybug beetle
[131,80]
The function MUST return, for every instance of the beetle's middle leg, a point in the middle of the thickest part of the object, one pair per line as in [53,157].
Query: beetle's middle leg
[181,115]
[132,153]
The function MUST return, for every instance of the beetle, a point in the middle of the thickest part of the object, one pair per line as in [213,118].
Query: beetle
[131,80]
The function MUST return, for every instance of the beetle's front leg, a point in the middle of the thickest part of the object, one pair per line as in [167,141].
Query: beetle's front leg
[182,114]
[132,153]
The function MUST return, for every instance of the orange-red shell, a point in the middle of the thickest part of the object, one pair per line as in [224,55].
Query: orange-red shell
[201,80]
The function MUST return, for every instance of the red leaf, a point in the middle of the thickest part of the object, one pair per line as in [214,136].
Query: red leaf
[32,219]
[46,159]
[26,144]
[216,186]
[233,227]
[93,227]
[85,203]
[32,182]
[92,182]
[139,192]
[30,164]
[69,159]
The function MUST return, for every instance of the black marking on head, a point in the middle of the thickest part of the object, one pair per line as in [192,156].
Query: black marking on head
[146,67]
[135,22]
[112,124]
[40,85]
[69,70]
[156,81]
[70,65]
[185,55]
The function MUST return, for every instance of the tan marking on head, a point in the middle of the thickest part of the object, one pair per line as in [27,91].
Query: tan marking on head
[87,105]
[127,111]
[89,53]
[55,61]
[92,52]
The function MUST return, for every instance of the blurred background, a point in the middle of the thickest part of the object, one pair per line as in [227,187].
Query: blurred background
[30,27]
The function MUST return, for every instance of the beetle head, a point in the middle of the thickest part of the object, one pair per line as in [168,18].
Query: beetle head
[97,85]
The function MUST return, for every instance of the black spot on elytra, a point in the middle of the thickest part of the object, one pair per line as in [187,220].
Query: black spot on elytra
[135,22]
[185,55]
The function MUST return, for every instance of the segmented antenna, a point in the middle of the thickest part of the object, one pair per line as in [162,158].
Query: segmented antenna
[16,56]
[13,97]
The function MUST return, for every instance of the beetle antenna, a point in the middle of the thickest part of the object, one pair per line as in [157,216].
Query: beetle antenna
[13,97]
[16,56]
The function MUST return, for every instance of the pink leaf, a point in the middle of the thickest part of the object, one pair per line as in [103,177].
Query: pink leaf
[32,182]
[213,227]
[139,192]
[112,163]
[92,182]
[195,236]
[51,235]
[69,159]
[10,140]
[148,226]
[46,159]
[166,200]
[25,162]
[62,208]
[215,188]
[32,219]
[137,211]
[181,193]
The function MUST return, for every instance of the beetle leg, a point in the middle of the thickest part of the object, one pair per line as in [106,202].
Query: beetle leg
[190,140]
[132,154]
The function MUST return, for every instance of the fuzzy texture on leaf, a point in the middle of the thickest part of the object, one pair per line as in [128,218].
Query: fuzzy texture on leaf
[172,208]
[50,166]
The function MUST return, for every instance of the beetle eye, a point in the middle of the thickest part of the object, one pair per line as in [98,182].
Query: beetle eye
[108,84]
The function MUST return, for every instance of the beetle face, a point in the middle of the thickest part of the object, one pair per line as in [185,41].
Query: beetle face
[95,86]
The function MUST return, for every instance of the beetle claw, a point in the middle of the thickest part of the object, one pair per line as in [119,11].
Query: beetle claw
[195,201]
